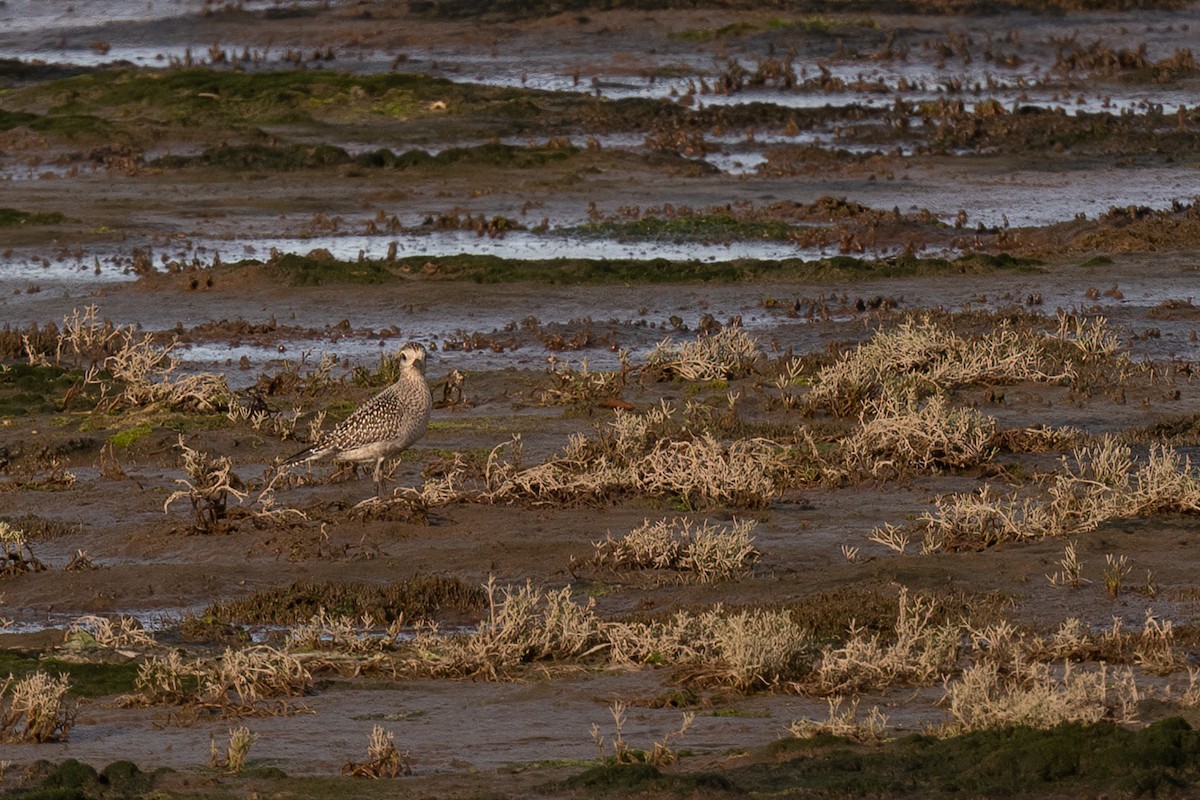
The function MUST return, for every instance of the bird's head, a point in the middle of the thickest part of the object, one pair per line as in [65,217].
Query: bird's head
[412,357]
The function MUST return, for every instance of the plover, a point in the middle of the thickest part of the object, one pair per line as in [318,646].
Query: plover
[383,426]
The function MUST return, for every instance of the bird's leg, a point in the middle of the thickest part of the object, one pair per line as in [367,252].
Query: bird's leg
[379,478]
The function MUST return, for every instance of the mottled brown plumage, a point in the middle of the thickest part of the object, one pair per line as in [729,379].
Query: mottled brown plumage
[383,426]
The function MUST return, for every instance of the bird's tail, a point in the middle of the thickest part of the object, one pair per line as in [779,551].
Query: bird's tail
[307,454]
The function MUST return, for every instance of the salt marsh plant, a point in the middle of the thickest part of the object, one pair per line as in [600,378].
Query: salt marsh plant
[988,696]
[728,353]
[245,679]
[901,433]
[234,759]
[140,371]
[208,487]
[582,388]
[921,356]
[844,723]
[659,755]
[342,634]
[36,708]
[1070,569]
[920,651]
[1095,485]
[653,454]
[383,759]
[124,633]
[241,682]
[18,556]
[704,552]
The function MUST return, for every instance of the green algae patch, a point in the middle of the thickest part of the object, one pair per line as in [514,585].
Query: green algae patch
[27,389]
[692,227]
[418,598]
[638,778]
[11,216]
[196,100]
[126,438]
[493,269]
[319,268]
[1162,758]
[87,679]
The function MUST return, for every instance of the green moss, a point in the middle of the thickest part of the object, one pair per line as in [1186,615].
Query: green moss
[87,680]
[413,599]
[638,778]
[692,227]
[711,34]
[26,389]
[125,438]
[1067,760]
[278,158]
[316,270]
[11,216]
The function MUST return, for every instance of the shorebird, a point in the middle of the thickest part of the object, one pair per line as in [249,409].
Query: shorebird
[384,425]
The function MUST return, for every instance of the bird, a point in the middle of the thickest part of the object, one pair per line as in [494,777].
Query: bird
[382,427]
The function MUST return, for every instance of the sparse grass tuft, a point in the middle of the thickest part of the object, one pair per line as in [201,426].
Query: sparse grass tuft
[705,553]
[36,708]
[383,759]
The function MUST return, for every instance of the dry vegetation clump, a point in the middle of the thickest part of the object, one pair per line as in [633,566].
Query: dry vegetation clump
[522,627]
[138,369]
[234,759]
[36,708]
[920,651]
[124,635]
[900,433]
[243,682]
[210,483]
[923,357]
[18,556]
[342,634]
[704,553]
[1095,485]
[582,388]
[847,724]
[986,695]
[659,755]
[383,759]
[652,454]
[745,650]
[728,353]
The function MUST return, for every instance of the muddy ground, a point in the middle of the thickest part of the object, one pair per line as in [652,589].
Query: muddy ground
[160,245]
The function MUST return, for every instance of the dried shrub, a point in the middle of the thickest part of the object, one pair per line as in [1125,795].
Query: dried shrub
[659,755]
[581,388]
[121,634]
[36,708]
[987,696]
[234,760]
[704,553]
[18,556]
[342,634]
[652,454]
[245,679]
[920,651]
[846,724]
[522,626]
[1095,485]
[135,366]
[924,357]
[238,682]
[210,483]
[744,650]
[383,759]
[902,433]
[728,353]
